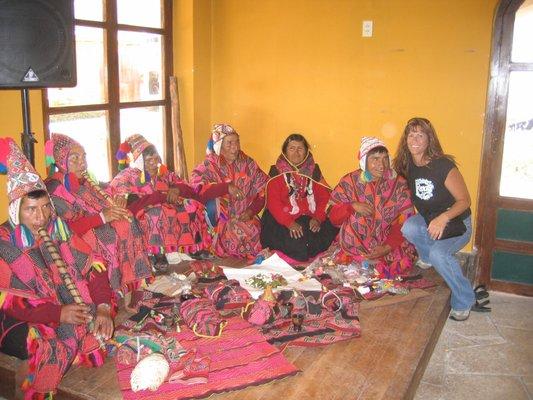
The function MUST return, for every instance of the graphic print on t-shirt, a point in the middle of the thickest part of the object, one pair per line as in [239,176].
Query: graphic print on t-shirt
[424,188]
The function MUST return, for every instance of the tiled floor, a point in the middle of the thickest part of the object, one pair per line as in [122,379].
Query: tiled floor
[489,356]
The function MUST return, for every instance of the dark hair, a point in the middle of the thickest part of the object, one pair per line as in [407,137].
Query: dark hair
[149,151]
[378,149]
[297,138]
[37,194]
[433,151]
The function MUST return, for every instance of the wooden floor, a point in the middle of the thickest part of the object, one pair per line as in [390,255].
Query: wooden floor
[387,362]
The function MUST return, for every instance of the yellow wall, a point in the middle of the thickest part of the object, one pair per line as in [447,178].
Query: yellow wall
[192,67]
[283,66]
[11,125]
[273,67]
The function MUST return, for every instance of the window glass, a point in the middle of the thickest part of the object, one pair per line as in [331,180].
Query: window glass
[140,13]
[91,10]
[523,33]
[91,72]
[148,121]
[140,66]
[90,129]
[517,164]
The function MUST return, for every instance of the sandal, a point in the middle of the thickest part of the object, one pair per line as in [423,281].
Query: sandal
[481,306]
[481,292]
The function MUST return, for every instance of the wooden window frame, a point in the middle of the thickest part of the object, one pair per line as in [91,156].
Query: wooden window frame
[113,104]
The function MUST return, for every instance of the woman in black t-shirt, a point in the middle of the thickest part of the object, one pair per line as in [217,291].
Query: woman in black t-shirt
[442,226]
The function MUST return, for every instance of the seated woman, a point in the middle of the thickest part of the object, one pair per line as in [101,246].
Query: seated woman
[370,205]
[294,221]
[171,218]
[104,223]
[55,299]
[232,185]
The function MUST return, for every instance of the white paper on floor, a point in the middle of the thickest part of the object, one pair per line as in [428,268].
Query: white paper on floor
[274,265]
[176,258]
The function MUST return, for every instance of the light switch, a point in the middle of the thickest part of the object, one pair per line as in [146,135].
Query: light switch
[367,28]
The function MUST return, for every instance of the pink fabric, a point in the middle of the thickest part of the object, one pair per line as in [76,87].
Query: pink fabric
[167,227]
[121,243]
[232,237]
[239,358]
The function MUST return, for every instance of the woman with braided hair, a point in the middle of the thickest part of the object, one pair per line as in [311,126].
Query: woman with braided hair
[55,299]
[294,221]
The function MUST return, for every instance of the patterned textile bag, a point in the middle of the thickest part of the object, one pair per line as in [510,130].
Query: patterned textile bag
[206,270]
[259,312]
[202,318]
[345,308]
[228,295]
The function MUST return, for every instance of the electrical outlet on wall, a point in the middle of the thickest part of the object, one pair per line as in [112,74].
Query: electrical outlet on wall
[368,28]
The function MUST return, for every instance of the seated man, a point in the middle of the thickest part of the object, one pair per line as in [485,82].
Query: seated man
[54,295]
[370,205]
[98,219]
[232,186]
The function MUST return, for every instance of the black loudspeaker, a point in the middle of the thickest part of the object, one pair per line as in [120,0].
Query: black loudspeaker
[37,44]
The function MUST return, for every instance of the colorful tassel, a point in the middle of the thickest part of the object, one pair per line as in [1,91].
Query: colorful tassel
[71,182]
[22,237]
[4,151]
[122,155]
[60,230]
[162,170]
[210,147]
[98,266]
[49,159]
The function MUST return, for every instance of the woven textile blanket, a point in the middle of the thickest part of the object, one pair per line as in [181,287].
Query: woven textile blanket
[240,357]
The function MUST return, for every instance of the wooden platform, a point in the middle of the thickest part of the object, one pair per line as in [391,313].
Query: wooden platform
[387,362]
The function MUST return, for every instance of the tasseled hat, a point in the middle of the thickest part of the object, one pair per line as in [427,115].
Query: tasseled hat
[219,132]
[56,152]
[368,143]
[130,150]
[22,178]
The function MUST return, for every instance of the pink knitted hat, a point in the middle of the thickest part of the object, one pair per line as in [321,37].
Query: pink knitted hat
[368,143]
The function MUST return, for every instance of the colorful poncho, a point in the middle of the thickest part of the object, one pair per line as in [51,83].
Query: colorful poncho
[167,227]
[232,237]
[121,243]
[301,182]
[30,277]
[392,205]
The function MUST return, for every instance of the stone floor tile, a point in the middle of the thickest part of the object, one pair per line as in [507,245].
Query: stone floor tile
[483,387]
[521,338]
[434,373]
[476,330]
[500,359]
[428,391]
[512,311]
[528,384]
[489,356]
[501,298]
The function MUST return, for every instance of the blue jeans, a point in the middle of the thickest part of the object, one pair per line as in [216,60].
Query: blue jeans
[441,254]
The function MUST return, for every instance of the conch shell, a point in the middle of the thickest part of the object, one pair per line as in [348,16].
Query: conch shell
[149,373]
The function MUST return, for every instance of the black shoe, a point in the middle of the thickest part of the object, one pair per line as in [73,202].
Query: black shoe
[481,306]
[481,292]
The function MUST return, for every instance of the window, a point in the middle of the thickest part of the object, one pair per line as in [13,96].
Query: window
[123,61]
